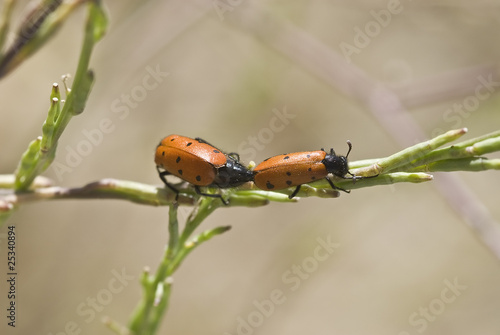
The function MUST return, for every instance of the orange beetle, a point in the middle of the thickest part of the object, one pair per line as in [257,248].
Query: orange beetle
[199,163]
[283,171]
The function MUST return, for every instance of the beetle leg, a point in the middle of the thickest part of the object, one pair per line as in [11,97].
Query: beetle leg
[336,187]
[235,156]
[354,177]
[198,191]
[294,193]
[162,175]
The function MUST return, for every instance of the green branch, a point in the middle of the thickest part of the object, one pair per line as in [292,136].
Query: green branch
[463,156]
[468,149]
[41,151]
[152,308]
[473,164]
[409,165]
[409,155]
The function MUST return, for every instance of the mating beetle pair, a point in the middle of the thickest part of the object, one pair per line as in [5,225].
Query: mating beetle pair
[201,164]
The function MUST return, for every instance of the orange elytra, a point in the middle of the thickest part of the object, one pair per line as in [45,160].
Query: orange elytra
[199,163]
[294,169]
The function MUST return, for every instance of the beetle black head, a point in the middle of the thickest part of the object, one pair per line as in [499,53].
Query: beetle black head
[232,174]
[337,165]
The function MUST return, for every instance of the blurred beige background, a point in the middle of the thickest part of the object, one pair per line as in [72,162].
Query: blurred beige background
[404,262]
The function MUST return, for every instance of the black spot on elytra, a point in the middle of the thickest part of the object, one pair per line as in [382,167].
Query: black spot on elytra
[269,185]
[180,172]
[198,178]
[178,159]
[309,169]
[172,140]
[308,156]
[217,151]
[163,153]
[187,145]
[288,173]
[286,157]
[289,182]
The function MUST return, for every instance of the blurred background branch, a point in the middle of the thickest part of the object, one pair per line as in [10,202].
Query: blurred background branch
[40,25]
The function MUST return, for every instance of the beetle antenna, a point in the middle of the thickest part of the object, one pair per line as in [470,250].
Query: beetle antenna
[350,148]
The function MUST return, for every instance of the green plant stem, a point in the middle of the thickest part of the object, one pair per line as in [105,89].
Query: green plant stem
[159,288]
[150,311]
[412,153]
[173,232]
[384,179]
[474,164]
[7,181]
[114,326]
[195,242]
[199,213]
[160,307]
[41,152]
[446,159]
[153,286]
[476,147]
[125,190]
